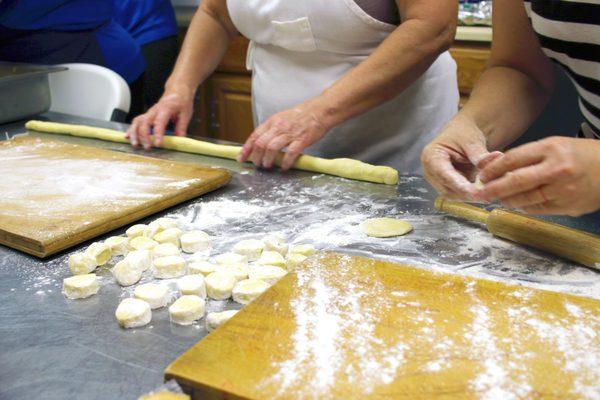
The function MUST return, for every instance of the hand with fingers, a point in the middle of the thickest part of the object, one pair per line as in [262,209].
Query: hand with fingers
[294,129]
[556,175]
[173,106]
[451,160]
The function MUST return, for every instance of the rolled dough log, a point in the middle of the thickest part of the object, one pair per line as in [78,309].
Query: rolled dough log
[133,313]
[342,167]
[80,286]
[216,319]
[385,227]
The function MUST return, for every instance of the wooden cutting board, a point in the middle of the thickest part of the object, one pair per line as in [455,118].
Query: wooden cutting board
[354,328]
[56,195]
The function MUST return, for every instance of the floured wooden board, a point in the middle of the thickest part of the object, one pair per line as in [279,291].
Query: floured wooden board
[355,328]
[55,195]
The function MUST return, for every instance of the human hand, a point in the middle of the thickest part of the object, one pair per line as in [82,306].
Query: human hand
[296,129]
[556,175]
[451,160]
[176,106]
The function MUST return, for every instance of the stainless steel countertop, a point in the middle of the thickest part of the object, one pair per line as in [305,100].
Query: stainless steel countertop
[58,349]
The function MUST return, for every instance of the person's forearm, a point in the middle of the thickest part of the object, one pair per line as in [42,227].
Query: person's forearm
[503,104]
[398,62]
[205,43]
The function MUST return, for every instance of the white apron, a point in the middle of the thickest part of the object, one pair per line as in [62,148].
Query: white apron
[299,48]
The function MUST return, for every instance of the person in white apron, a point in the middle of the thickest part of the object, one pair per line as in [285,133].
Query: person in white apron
[328,79]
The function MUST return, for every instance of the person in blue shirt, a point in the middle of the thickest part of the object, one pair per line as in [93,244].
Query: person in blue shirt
[67,31]
[152,25]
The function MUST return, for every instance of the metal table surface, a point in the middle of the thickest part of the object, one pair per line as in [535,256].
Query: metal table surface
[52,348]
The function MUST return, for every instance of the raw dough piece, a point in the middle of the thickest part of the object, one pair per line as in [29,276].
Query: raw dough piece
[199,256]
[343,167]
[219,285]
[247,290]
[100,252]
[166,223]
[202,267]
[136,230]
[192,284]
[268,273]
[156,296]
[118,245]
[187,309]
[169,267]
[140,259]
[170,235]
[239,271]
[165,249]
[195,241]
[142,243]
[293,260]
[80,286]
[385,227]
[251,248]
[304,249]
[275,243]
[133,313]
[272,258]
[125,274]
[81,263]
[216,319]
[231,258]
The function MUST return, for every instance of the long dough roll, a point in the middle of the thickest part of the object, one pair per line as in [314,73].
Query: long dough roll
[343,167]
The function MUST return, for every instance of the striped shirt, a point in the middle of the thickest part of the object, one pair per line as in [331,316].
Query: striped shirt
[569,33]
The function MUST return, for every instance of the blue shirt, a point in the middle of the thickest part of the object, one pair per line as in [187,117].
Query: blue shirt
[48,31]
[146,20]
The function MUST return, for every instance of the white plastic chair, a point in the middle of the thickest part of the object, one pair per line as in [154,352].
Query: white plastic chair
[89,90]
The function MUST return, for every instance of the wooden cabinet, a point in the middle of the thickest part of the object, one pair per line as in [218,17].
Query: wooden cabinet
[224,102]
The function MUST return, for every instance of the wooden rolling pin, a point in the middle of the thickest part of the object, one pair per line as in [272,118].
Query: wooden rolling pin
[572,244]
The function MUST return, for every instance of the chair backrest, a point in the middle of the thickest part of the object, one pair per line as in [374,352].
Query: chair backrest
[89,90]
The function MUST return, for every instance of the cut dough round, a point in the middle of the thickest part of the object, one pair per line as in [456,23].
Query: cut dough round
[126,274]
[275,243]
[304,249]
[136,230]
[268,273]
[156,296]
[169,267]
[118,245]
[192,242]
[219,285]
[133,313]
[216,319]
[251,248]
[142,243]
[202,267]
[293,260]
[385,227]
[140,259]
[165,249]
[80,286]
[81,263]
[199,256]
[247,290]
[170,235]
[231,258]
[271,258]
[99,251]
[187,309]
[192,284]
[165,223]
[239,271]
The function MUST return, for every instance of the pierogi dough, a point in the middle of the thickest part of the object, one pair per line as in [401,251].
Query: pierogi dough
[187,309]
[156,296]
[133,313]
[100,252]
[385,227]
[216,319]
[82,263]
[271,258]
[164,250]
[192,284]
[267,273]
[169,267]
[239,271]
[219,285]
[195,241]
[231,258]
[304,249]
[202,267]
[118,245]
[125,274]
[275,243]
[170,235]
[251,248]
[80,286]
[139,259]
[136,230]
[247,290]
[293,260]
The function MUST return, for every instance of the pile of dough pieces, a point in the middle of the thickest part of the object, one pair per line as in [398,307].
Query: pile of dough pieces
[155,249]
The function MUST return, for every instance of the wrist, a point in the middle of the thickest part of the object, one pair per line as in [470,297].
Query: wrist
[181,89]
[325,112]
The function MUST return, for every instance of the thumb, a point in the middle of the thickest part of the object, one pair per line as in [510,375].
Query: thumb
[476,152]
